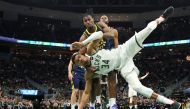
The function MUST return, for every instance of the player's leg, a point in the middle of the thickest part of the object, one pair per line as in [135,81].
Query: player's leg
[135,102]
[81,88]
[95,92]
[73,99]
[98,91]
[73,96]
[134,44]
[92,98]
[112,89]
[134,82]
[132,95]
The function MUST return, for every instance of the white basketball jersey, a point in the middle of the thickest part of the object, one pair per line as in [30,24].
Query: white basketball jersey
[104,61]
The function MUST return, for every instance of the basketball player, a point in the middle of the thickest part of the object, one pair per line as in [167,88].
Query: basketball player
[121,58]
[111,43]
[132,94]
[92,27]
[78,82]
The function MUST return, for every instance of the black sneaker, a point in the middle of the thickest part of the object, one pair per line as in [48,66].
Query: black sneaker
[175,105]
[168,12]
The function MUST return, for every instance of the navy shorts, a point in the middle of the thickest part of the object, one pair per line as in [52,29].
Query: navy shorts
[79,83]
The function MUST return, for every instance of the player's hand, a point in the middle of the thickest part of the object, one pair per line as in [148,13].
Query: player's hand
[76,45]
[188,58]
[91,69]
[70,76]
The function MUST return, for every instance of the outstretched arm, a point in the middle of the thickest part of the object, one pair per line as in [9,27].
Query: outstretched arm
[94,36]
[82,50]
[143,77]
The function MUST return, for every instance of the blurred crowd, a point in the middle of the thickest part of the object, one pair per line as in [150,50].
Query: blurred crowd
[48,68]
[48,29]
[166,66]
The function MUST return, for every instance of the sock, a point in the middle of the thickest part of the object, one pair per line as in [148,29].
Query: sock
[92,104]
[130,107]
[164,100]
[112,101]
[73,106]
[135,106]
[131,102]
[98,99]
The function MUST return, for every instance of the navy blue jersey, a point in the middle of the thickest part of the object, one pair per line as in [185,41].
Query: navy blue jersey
[78,72]
[109,43]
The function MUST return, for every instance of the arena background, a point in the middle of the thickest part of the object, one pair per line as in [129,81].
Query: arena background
[35,36]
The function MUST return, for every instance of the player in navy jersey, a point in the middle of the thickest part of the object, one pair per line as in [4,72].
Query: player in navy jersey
[91,28]
[76,75]
[111,42]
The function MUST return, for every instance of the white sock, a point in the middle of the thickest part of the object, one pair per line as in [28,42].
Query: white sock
[73,106]
[130,107]
[112,101]
[92,104]
[98,99]
[164,100]
[135,106]
[131,100]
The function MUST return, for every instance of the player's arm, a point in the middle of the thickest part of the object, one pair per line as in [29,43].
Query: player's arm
[106,30]
[70,75]
[143,77]
[88,88]
[116,42]
[92,37]
[83,50]
[104,27]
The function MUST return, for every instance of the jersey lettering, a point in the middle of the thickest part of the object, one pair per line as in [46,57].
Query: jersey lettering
[106,64]
[97,68]
[106,61]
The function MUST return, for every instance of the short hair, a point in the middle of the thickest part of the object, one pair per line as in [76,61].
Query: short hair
[87,14]
[73,57]
[107,17]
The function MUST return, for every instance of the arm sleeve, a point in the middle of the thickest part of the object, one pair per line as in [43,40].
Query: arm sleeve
[93,36]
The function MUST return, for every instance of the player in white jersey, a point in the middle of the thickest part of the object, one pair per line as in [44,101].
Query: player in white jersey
[121,59]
